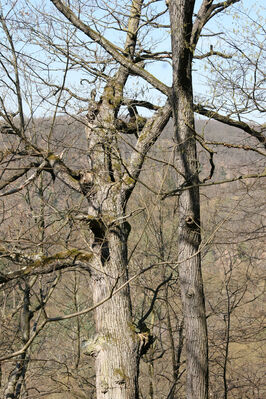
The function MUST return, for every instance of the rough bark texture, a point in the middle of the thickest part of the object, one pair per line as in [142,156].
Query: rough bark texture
[189,202]
[17,375]
[116,351]
[115,346]
[107,187]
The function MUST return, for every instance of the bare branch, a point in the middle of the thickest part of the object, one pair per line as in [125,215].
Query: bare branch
[228,121]
[206,12]
[110,48]
[28,181]
[241,177]
[211,53]
[58,261]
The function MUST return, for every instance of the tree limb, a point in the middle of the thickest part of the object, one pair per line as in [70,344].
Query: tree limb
[57,261]
[228,121]
[115,51]
[33,177]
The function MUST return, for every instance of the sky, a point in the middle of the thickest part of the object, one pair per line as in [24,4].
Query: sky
[233,23]
[225,22]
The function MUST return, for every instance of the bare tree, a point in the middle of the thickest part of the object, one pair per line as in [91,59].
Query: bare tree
[95,175]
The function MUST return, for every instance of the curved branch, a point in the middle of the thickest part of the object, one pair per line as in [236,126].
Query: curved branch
[155,294]
[199,109]
[113,50]
[16,176]
[58,261]
[206,12]
[149,134]
[33,177]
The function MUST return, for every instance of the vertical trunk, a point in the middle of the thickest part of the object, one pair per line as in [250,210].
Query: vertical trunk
[107,188]
[189,202]
[116,343]
[16,378]
[227,337]
[17,375]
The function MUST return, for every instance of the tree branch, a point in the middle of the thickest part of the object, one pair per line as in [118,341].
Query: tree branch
[228,121]
[33,177]
[241,177]
[206,12]
[57,261]
[211,53]
[149,134]
[115,51]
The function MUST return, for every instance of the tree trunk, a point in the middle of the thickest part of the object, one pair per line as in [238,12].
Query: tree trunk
[116,340]
[115,345]
[190,275]
[107,188]
[17,376]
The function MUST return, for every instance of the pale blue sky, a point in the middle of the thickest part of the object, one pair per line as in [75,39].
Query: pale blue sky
[225,22]
[233,21]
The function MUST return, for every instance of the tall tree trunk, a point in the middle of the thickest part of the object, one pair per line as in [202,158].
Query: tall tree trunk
[17,376]
[191,283]
[116,341]
[115,345]
[107,188]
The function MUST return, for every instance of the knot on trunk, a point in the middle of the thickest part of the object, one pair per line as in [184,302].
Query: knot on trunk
[100,243]
[191,223]
[146,339]
[86,182]
[120,376]
[190,293]
[94,345]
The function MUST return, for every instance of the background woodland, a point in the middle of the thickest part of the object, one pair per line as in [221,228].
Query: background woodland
[109,176]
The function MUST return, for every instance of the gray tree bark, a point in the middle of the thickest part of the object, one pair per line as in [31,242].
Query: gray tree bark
[115,344]
[190,275]
[17,375]
[108,188]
